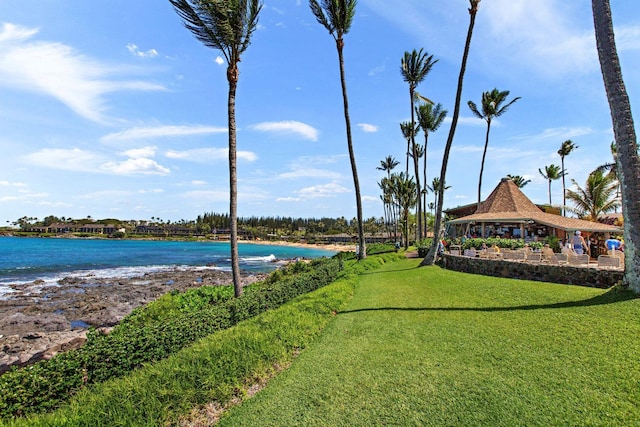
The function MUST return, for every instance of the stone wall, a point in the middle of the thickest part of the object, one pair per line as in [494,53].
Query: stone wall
[563,274]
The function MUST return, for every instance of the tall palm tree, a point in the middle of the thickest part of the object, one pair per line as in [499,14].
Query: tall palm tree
[430,118]
[565,149]
[387,165]
[433,250]
[417,153]
[491,107]
[409,132]
[227,26]
[625,137]
[596,198]
[551,173]
[337,16]
[518,180]
[414,67]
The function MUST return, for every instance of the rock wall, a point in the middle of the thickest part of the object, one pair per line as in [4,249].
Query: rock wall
[563,274]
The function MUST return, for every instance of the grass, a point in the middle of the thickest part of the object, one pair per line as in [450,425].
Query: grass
[434,347]
[413,346]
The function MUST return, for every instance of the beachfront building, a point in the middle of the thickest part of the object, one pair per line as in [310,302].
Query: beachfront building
[508,213]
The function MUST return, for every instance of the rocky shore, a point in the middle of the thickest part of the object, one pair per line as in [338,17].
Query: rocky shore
[37,322]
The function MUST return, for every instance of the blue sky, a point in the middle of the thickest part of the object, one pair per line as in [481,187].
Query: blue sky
[113,109]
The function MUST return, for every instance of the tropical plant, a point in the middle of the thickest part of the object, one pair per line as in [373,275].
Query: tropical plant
[625,137]
[612,168]
[430,118]
[596,198]
[551,173]
[409,132]
[387,165]
[337,16]
[491,106]
[565,149]
[227,26]
[437,227]
[518,180]
[414,67]
[435,189]
[405,196]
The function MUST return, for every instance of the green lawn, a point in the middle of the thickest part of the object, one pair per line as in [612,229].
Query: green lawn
[426,346]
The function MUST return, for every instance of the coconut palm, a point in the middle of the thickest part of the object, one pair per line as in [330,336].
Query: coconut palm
[433,250]
[387,165]
[596,198]
[408,132]
[430,118]
[565,149]
[405,196]
[491,107]
[435,189]
[337,16]
[518,180]
[227,26]
[414,67]
[625,137]
[551,173]
[612,168]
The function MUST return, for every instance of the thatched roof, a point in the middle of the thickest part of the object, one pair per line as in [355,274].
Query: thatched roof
[507,204]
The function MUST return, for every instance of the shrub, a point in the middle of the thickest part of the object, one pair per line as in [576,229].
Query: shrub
[148,337]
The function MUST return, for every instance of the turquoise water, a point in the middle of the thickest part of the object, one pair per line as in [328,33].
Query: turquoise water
[23,260]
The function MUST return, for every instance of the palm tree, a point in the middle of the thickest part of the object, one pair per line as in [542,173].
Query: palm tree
[404,192]
[414,67]
[612,168]
[409,132]
[226,26]
[491,107]
[430,118]
[387,165]
[336,16]
[565,149]
[625,137]
[596,198]
[518,180]
[551,173]
[418,152]
[435,189]
[433,250]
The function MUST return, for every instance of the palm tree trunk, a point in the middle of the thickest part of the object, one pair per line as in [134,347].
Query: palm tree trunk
[424,176]
[484,155]
[549,192]
[625,136]
[564,189]
[416,168]
[362,254]
[232,77]
[430,259]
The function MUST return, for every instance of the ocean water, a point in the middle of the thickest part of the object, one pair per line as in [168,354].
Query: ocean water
[24,260]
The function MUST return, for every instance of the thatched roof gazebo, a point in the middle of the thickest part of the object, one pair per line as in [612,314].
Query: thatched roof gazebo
[507,208]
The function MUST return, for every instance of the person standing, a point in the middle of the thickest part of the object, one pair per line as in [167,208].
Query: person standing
[579,245]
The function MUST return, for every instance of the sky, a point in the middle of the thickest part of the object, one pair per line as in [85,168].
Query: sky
[114,110]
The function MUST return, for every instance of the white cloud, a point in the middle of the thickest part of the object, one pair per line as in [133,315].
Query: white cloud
[205,155]
[137,153]
[288,127]
[219,60]
[322,191]
[301,172]
[161,131]
[57,70]
[137,52]
[628,37]
[561,133]
[12,184]
[198,182]
[208,196]
[73,159]
[138,166]
[366,127]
